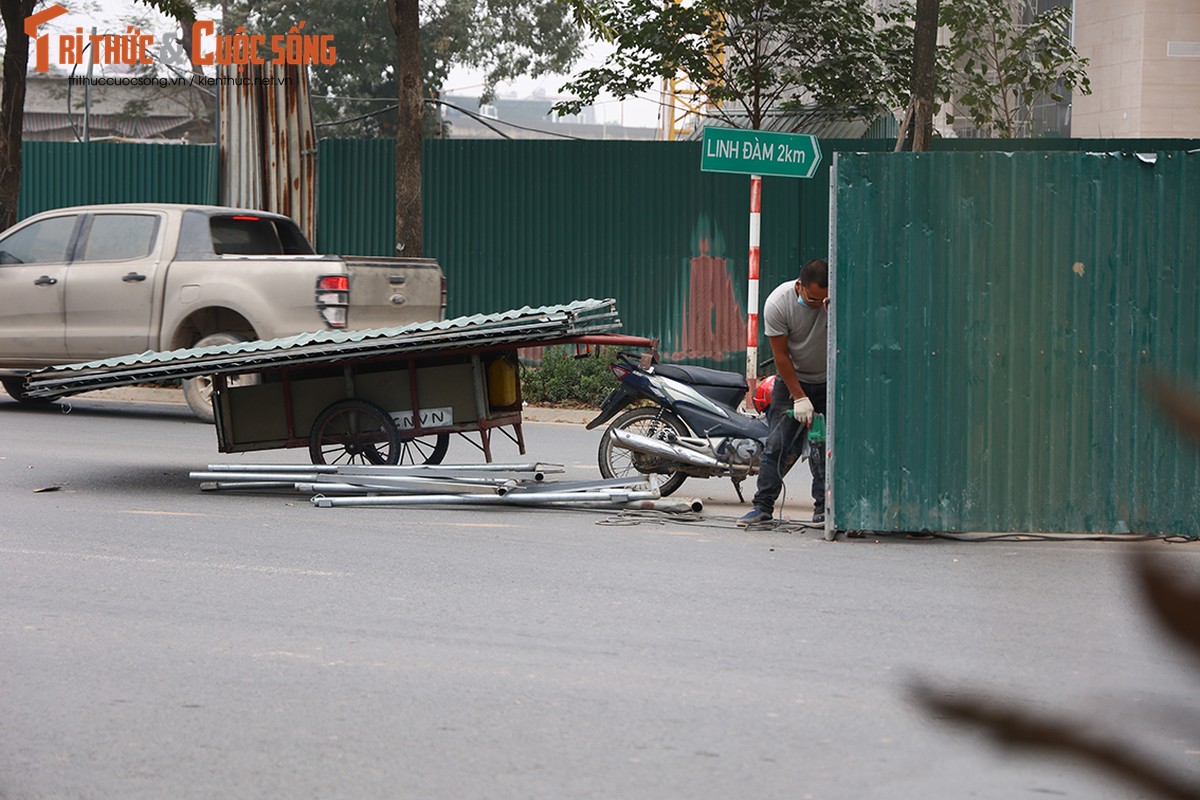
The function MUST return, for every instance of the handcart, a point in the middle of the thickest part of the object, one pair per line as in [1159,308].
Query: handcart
[383,396]
[381,410]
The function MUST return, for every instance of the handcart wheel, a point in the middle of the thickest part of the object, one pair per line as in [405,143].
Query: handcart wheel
[354,432]
[423,449]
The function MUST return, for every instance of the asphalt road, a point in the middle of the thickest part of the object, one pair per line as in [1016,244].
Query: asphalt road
[156,641]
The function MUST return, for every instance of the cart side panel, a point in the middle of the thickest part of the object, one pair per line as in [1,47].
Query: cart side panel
[255,417]
[450,386]
[311,396]
[251,415]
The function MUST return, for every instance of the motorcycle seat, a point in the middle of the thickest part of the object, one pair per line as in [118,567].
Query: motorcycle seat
[702,376]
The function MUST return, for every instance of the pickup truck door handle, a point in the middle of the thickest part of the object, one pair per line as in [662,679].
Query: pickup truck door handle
[133,277]
[397,280]
[45,280]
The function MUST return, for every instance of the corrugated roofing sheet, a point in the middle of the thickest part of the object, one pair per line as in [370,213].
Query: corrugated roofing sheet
[516,328]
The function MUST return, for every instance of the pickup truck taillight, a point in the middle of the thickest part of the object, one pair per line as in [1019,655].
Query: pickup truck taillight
[333,298]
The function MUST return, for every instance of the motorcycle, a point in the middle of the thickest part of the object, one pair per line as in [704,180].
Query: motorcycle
[680,421]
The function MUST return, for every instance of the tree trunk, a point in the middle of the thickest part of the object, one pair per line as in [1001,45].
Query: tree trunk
[916,133]
[410,127]
[12,105]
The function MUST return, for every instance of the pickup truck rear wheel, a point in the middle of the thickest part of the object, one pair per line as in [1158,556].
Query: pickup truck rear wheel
[198,391]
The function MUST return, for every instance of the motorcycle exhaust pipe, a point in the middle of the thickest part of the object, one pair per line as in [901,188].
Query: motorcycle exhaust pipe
[655,447]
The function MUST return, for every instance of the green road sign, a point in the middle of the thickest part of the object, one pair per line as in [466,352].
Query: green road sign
[787,155]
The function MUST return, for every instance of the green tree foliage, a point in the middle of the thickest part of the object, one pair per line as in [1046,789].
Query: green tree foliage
[503,39]
[1002,59]
[752,57]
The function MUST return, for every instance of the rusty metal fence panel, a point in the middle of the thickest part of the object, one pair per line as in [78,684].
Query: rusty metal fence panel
[994,315]
[268,142]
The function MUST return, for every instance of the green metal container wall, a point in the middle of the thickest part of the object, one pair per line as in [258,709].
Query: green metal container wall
[56,174]
[994,317]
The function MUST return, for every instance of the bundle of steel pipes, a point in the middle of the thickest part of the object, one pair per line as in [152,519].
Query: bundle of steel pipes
[443,484]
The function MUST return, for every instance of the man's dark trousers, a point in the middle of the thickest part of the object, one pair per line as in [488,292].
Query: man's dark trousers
[785,446]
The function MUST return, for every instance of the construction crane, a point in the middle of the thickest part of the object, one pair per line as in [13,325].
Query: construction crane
[682,109]
[683,106]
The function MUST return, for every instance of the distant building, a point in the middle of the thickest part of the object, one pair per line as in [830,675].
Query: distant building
[526,118]
[1047,118]
[1145,68]
[56,111]
[1144,72]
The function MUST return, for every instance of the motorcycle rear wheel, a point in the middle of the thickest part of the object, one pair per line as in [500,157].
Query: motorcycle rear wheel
[617,462]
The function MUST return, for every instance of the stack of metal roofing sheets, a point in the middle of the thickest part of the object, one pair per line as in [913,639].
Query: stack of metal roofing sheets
[516,328]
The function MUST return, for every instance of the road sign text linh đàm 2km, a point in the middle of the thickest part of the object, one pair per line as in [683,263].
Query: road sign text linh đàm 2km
[792,155]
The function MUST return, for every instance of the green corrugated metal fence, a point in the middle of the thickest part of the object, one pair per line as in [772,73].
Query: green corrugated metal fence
[56,174]
[356,197]
[516,222]
[993,317]
[537,222]
[534,222]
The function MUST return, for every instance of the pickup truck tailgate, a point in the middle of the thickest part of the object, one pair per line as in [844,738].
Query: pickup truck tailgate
[394,291]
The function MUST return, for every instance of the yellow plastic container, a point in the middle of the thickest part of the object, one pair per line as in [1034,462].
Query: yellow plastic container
[502,383]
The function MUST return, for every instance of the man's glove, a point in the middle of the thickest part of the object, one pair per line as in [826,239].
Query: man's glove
[802,410]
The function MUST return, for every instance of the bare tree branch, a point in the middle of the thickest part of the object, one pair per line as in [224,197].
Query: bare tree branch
[1011,726]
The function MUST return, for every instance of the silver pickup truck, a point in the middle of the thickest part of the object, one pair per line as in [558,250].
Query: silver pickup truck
[92,282]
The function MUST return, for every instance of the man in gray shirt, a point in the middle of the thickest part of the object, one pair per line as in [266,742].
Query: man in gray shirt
[796,322]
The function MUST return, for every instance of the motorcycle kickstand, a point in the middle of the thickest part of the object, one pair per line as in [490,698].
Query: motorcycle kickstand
[737,487]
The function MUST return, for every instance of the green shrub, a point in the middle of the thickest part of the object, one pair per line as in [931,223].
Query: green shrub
[564,379]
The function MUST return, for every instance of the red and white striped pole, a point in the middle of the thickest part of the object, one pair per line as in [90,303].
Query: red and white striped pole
[752,292]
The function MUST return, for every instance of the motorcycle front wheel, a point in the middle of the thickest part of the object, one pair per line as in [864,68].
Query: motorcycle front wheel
[649,421]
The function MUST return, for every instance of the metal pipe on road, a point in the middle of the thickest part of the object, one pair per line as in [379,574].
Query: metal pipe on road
[217,486]
[273,468]
[608,499]
[636,482]
[680,506]
[290,477]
